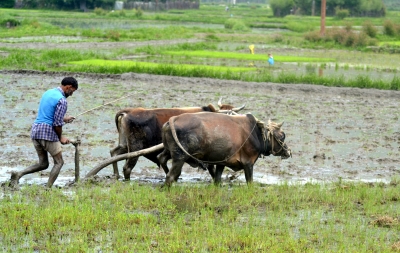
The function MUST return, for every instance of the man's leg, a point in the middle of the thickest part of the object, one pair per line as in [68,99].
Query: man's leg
[42,165]
[58,163]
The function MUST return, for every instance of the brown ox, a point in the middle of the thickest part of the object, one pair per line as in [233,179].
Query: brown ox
[140,128]
[212,138]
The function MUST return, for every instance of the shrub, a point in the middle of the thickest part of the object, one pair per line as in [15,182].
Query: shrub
[10,21]
[389,28]
[361,39]
[116,14]
[212,37]
[342,13]
[277,37]
[395,84]
[99,11]
[313,36]
[370,29]
[113,35]
[236,25]
[300,26]
[348,26]
[138,12]
[350,40]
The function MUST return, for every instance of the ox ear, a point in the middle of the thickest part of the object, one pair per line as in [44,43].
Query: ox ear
[220,102]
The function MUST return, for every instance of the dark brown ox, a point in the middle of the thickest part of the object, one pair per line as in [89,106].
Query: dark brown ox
[209,138]
[140,128]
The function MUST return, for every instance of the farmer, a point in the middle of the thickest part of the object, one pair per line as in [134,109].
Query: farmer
[46,133]
[270,59]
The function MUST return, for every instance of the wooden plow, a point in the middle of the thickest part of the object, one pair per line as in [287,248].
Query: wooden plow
[117,158]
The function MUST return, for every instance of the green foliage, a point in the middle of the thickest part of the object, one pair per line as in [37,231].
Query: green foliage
[392,5]
[300,27]
[236,25]
[10,21]
[342,37]
[395,84]
[389,28]
[370,29]
[281,8]
[117,14]
[7,3]
[138,13]
[342,13]
[212,37]
[113,35]
[99,11]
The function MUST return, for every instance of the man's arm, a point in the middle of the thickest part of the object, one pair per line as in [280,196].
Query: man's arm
[58,130]
[59,114]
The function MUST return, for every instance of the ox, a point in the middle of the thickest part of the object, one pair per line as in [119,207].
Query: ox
[235,141]
[140,128]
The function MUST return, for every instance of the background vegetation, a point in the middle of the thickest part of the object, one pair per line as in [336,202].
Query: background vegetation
[131,217]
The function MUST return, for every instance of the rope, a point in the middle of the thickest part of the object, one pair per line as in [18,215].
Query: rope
[104,104]
[173,131]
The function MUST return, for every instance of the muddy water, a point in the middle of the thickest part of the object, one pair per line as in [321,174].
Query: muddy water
[334,133]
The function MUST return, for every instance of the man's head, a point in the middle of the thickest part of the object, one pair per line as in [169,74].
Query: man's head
[69,85]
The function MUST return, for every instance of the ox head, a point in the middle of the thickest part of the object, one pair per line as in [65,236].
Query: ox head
[276,139]
[225,108]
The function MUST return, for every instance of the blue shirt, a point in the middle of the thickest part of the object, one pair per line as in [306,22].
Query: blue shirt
[52,109]
[271,61]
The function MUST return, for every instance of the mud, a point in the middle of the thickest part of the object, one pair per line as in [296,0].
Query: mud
[334,133]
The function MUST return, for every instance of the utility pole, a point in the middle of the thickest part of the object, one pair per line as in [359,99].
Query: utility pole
[323,12]
[313,8]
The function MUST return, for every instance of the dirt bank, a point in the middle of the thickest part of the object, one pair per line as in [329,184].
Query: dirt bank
[334,133]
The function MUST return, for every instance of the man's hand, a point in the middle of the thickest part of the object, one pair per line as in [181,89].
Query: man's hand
[64,140]
[69,119]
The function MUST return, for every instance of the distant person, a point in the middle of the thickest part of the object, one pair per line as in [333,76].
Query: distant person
[271,59]
[251,48]
[226,8]
[46,132]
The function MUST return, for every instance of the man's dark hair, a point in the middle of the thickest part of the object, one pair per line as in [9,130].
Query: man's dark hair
[70,81]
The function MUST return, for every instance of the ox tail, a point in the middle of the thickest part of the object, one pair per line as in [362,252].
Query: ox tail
[118,118]
[173,132]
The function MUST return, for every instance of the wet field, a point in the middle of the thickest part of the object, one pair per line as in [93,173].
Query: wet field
[334,133]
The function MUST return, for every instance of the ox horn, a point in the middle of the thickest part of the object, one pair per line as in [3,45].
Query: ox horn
[280,124]
[236,109]
[220,102]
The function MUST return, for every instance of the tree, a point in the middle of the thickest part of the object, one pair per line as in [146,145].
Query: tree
[305,6]
[281,8]
[7,3]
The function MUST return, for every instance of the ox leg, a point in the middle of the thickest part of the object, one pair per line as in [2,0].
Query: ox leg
[174,173]
[129,164]
[211,170]
[218,174]
[163,158]
[119,150]
[248,173]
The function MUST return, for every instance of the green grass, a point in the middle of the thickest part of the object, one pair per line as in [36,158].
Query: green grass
[250,57]
[392,43]
[148,67]
[341,217]
[196,59]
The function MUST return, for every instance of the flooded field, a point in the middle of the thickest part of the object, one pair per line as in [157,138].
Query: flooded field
[334,133]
